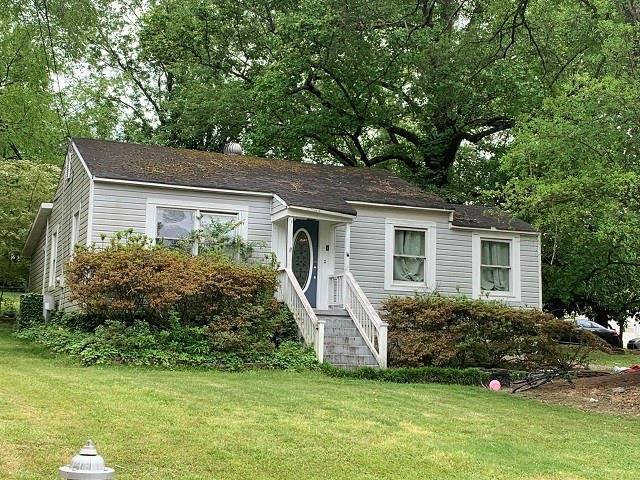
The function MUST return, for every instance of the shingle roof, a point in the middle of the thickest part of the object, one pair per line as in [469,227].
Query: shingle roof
[488,217]
[298,184]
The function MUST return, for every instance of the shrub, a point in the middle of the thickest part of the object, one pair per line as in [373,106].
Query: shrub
[458,332]
[31,307]
[139,344]
[292,356]
[148,305]
[76,320]
[56,338]
[142,345]
[467,376]
[129,280]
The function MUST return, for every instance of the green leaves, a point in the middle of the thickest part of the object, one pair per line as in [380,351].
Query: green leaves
[23,186]
[375,83]
[575,173]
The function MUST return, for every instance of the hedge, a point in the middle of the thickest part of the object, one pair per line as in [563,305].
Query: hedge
[129,281]
[144,304]
[460,333]
[466,376]
[31,308]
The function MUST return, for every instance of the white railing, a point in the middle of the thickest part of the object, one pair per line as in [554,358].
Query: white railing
[336,289]
[312,329]
[345,291]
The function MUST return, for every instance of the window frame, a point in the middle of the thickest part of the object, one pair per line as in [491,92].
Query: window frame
[514,292]
[194,213]
[53,256]
[508,267]
[68,170]
[429,229]
[240,211]
[74,237]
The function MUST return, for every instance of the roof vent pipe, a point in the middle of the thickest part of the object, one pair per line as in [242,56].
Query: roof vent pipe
[232,148]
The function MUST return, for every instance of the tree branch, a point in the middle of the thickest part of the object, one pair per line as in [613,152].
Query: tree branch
[404,133]
[345,159]
[496,125]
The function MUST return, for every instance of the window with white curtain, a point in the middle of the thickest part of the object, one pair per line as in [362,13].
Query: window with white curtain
[409,255]
[495,266]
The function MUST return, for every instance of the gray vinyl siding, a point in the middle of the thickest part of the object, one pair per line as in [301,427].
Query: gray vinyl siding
[339,248]
[530,270]
[36,268]
[277,206]
[453,257]
[118,207]
[71,196]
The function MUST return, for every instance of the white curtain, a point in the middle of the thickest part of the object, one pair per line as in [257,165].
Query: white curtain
[173,223]
[495,260]
[408,259]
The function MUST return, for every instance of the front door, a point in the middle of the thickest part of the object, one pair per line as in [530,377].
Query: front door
[305,257]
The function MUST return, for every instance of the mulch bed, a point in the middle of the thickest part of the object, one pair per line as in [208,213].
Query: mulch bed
[616,393]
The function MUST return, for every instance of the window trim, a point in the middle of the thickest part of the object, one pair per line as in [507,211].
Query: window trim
[514,293]
[68,170]
[74,237]
[53,256]
[429,228]
[241,211]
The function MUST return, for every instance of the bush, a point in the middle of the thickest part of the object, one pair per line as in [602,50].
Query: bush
[130,280]
[147,305]
[56,338]
[76,320]
[467,376]
[139,344]
[292,356]
[458,332]
[31,307]
[178,345]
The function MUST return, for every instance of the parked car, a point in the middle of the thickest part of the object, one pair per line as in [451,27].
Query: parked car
[607,334]
[634,344]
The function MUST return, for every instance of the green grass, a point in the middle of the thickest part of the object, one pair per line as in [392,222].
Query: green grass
[154,424]
[10,301]
[604,359]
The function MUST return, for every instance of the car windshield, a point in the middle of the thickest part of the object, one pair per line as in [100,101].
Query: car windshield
[588,324]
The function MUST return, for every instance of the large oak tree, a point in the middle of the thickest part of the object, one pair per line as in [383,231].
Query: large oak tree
[404,83]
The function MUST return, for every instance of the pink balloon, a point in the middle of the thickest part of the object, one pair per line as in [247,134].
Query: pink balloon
[495,385]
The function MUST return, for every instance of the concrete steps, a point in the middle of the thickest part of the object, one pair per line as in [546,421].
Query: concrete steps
[344,347]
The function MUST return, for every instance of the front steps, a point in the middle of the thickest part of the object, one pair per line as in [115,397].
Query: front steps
[344,347]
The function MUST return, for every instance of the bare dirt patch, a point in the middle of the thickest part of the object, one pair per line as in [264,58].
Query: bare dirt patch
[615,393]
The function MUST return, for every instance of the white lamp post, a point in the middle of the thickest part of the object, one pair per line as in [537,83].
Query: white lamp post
[87,465]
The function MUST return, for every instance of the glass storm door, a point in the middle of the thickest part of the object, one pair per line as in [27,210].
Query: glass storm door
[305,257]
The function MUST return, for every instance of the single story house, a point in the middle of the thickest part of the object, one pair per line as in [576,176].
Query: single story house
[345,238]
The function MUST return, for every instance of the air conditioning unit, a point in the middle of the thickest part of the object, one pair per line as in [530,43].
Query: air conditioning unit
[48,306]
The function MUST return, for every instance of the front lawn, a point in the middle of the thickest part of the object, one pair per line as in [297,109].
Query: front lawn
[156,424]
[603,359]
